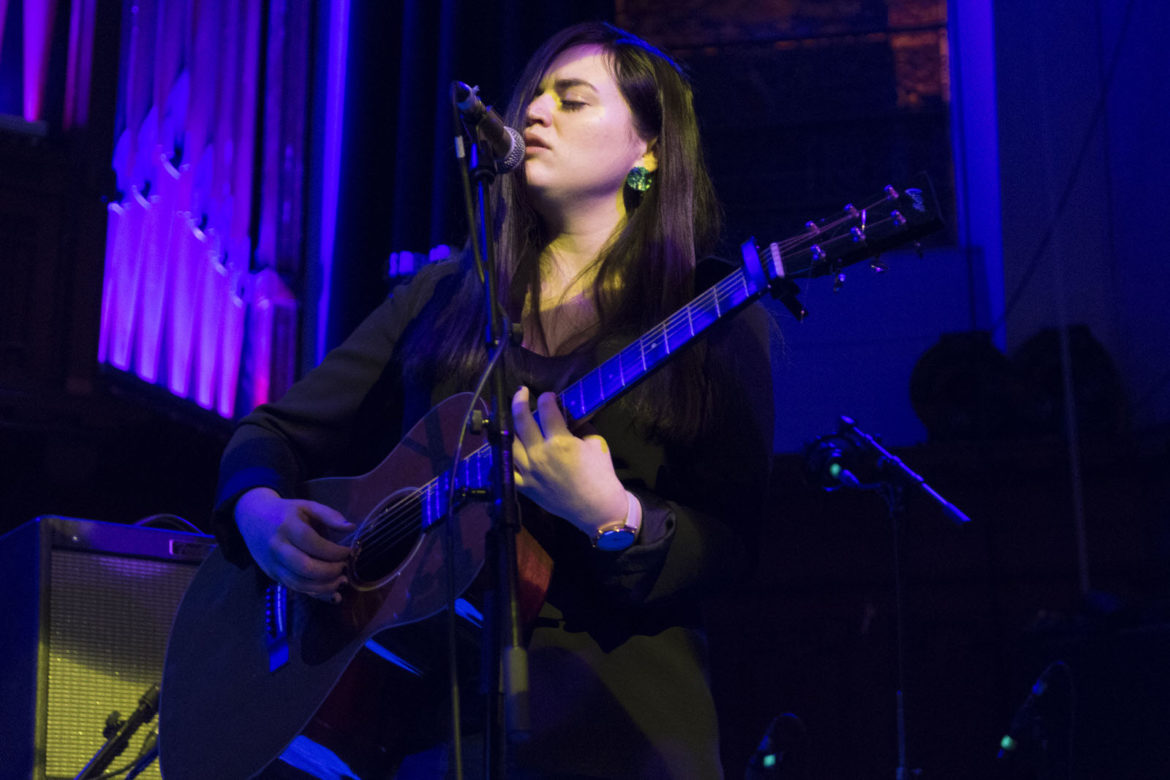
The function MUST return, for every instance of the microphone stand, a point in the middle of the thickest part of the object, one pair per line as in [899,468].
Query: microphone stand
[505,659]
[896,472]
[117,741]
[832,455]
[894,495]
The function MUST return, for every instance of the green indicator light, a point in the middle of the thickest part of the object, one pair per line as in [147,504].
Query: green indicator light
[834,470]
[769,760]
[1007,743]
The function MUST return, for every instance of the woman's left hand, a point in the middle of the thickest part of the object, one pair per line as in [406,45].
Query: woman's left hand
[571,477]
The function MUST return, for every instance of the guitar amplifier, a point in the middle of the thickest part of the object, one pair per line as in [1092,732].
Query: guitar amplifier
[87,611]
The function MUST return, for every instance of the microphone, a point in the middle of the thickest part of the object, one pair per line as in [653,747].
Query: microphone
[1026,717]
[505,143]
[147,707]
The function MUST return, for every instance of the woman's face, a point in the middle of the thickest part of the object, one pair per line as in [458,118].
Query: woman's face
[579,132]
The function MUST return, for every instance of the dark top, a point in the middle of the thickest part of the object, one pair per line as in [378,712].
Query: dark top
[617,656]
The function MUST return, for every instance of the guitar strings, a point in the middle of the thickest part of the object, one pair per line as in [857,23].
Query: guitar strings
[398,521]
[403,518]
[682,321]
[827,231]
[395,523]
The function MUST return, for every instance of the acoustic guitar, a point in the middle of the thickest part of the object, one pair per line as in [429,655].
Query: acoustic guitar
[251,666]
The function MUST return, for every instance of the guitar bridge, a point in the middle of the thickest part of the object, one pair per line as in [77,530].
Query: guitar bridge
[276,625]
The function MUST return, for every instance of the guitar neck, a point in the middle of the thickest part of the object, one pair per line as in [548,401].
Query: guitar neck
[633,363]
[616,375]
[887,220]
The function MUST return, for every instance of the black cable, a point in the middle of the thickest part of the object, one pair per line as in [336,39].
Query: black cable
[146,754]
[168,521]
[449,551]
[115,772]
[1098,112]
[465,179]
[449,536]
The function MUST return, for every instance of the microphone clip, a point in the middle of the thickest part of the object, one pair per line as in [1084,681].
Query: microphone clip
[842,460]
[504,143]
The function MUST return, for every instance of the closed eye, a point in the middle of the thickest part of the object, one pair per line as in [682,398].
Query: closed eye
[572,105]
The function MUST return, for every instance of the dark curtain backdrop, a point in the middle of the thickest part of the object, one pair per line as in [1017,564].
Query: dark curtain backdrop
[400,187]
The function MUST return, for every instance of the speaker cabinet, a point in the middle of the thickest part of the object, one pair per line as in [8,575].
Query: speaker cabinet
[87,611]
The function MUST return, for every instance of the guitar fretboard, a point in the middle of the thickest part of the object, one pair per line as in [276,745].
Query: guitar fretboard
[888,220]
[615,375]
[472,473]
[604,383]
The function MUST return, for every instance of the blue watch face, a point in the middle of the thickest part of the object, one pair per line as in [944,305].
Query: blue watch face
[617,539]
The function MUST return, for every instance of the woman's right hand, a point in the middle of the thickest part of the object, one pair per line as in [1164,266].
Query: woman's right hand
[290,540]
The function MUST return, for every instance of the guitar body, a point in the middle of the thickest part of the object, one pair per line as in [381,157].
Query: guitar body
[237,688]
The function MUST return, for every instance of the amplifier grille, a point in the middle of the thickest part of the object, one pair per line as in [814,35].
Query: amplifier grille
[109,618]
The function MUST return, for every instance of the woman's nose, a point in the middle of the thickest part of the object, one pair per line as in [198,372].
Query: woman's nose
[539,109]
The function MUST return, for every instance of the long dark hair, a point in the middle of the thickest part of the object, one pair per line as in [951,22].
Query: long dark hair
[646,272]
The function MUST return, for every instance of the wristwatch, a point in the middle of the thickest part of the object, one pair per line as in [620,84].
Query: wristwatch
[622,534]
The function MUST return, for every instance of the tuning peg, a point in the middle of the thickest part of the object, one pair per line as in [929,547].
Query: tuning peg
[891,193]
[852,211]
[812,228]
[899,220]
[838,282]
[857,233]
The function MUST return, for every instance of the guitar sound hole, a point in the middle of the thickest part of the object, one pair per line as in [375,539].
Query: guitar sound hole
[380,550]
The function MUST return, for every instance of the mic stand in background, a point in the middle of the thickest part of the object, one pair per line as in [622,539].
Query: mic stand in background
[1032,732]
[780,750]
[118,734]
[505,657]
[853,459]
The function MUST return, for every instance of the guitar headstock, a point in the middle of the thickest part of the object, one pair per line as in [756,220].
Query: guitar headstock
[896,216]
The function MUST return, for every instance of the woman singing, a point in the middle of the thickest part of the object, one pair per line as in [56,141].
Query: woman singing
[650,507]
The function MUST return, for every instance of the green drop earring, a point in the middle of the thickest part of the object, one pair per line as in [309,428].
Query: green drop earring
[639,179]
